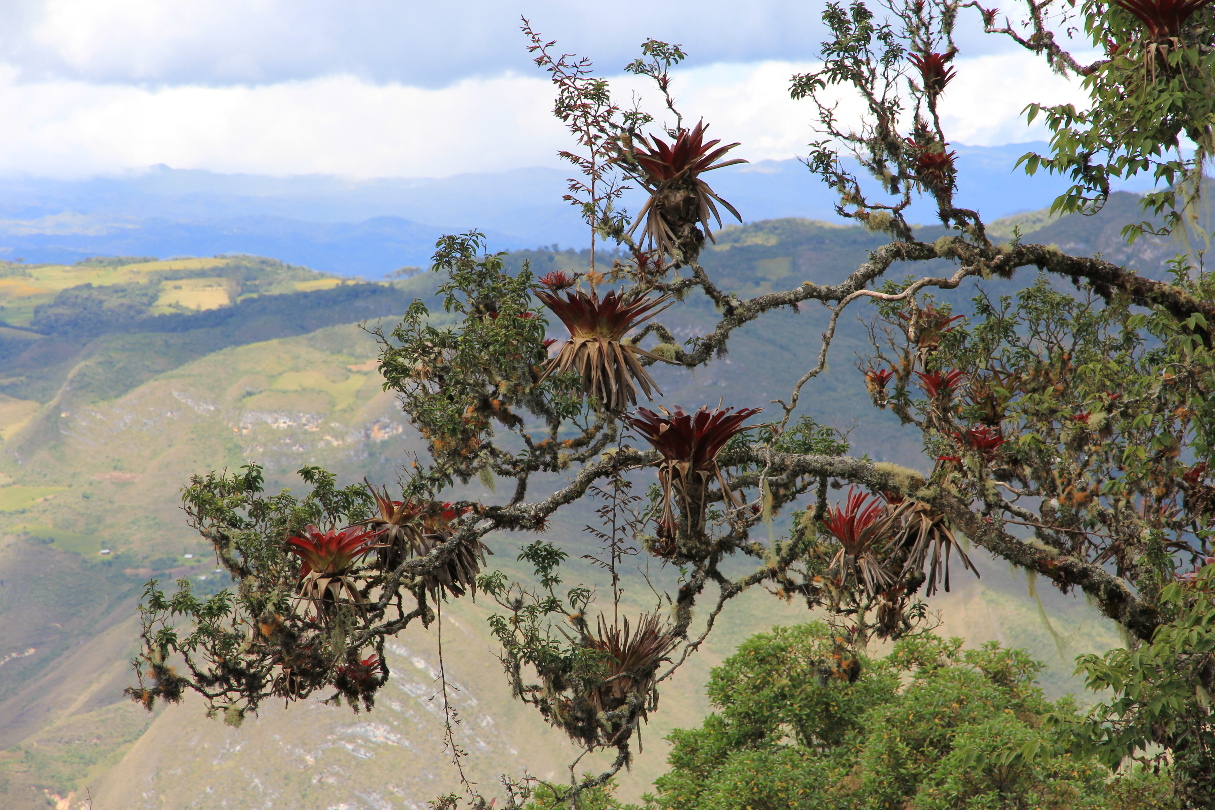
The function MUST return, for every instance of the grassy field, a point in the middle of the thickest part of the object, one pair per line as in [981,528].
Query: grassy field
[15,414]
[183,284]
[208,292]
[18,497]
[81,543]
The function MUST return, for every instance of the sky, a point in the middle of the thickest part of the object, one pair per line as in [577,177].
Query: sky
[400,88]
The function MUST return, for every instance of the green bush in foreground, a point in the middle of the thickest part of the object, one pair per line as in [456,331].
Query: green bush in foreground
[929,727]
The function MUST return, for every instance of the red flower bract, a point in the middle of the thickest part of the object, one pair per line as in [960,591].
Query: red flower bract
[860,526]
[689,154]
[610,369]
[327,559]
[986,440]
[689,444]
[934,71]
[359,680]
[850,524]
[1194,475]
[694,438]
[330,553]
[679,199]
[1162,18]
[936,384]
[556,280]
[360,671]
[879,376]
[933,165]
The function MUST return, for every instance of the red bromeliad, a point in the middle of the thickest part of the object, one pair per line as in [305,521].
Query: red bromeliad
[557,280]
[878,377]
[934,70]
[933,165]
[1162,18]
[610,369]
[875,382]
[860,527]
[359,680]
[936,384]
[327,558]
[985,440]
[679,199]
[689,444]
[330,553]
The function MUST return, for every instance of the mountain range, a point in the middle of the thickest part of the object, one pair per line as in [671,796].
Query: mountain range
[372,227]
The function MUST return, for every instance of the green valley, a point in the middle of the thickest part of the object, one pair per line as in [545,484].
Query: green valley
[122,378]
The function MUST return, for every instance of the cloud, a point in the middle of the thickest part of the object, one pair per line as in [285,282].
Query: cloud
[346,125]
[411,42]
[335,125]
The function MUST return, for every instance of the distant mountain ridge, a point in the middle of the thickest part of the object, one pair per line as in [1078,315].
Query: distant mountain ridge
[372,227]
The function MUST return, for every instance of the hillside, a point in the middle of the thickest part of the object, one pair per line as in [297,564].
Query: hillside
[173,369]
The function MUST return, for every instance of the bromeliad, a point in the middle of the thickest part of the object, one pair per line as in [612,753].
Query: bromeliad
[397,527]
[1162,18]
[689,444]
[610,368]
[935,72]
[327,560]
[408,531]
[861,527]
[679,200]
[630,660]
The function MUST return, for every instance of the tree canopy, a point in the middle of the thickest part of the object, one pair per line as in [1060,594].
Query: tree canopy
[1068,421]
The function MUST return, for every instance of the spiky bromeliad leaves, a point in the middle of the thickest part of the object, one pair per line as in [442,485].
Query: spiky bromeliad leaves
[610,369]
[598,710]
[397,527]
[937,385]
[679,200]
[459,574]
[923,535]
[631,661]
[689,444]
[935,72]
[407,530]
[862,528]
[934,166]
[359,679]
[327,560]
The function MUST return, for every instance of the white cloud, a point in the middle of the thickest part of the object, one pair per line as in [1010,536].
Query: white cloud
[336,125]
[414,42]
[983,104]
[351,126]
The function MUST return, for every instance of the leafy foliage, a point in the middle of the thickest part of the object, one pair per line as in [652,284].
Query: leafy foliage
[929,726]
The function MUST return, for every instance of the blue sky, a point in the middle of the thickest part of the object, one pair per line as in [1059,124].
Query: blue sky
[372,88]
